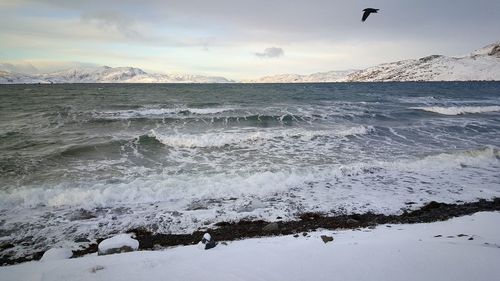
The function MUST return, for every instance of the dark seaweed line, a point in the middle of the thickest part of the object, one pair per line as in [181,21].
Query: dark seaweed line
[229,231]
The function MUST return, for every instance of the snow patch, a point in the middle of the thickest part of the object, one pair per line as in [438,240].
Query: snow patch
[55,254]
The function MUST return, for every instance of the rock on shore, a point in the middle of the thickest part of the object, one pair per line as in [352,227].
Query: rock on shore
[118,244]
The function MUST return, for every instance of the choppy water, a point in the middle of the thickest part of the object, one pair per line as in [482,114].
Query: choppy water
[88,160]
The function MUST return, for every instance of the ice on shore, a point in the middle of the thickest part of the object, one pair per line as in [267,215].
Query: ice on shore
[465,248]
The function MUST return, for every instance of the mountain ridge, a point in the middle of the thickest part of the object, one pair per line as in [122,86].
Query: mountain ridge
[480,65]
[106,74]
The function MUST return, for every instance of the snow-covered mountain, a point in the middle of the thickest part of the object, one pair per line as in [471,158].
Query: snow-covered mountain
[482,64]
[7,77]
[94,75]
[106,74]
[330,76]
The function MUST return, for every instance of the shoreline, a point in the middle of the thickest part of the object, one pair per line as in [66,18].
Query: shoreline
[464,248]
[306,222]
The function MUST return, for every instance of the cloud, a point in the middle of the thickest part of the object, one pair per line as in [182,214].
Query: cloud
[319,35]
[271,52]
[20,67]
[42,66]
[338,21]
[112,21]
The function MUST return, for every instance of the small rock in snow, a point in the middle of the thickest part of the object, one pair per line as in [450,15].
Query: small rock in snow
[326,238]
[55,254]
[207,242]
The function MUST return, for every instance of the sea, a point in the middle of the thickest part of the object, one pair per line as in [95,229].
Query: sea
[84,161]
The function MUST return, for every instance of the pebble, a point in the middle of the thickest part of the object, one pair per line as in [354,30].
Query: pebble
[326,238]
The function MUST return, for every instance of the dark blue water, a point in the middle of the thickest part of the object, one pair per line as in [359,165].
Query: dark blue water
[176,157]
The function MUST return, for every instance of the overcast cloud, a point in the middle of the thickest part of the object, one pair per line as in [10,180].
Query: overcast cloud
[230,38]
[271,52]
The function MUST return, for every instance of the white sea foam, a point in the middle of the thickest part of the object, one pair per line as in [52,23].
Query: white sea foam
[182,203]
[423,99]
[223,138]
[125,114]
[459,110]
[203,111]
[158,112]
[179,190]
[183,162]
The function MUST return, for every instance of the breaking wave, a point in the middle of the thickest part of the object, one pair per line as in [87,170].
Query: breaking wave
[210,139]
[224,138]
[459,110]
[158,112]
[183,189]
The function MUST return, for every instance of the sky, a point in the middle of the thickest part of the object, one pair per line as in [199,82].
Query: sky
[239,39]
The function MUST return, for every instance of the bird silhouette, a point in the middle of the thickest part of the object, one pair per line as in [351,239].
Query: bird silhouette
[367,12]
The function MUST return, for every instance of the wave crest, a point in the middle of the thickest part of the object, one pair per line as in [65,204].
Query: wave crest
[158,112]
[224,138]
[181,189]
[459,110]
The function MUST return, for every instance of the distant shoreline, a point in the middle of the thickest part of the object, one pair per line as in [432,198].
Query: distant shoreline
[252,83]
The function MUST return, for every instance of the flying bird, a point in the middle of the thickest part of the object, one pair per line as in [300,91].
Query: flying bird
[367,12]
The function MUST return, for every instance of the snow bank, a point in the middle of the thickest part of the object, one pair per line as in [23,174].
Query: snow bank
[118,243]
[466,248]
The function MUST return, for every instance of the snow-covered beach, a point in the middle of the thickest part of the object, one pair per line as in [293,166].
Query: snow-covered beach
[464,248]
